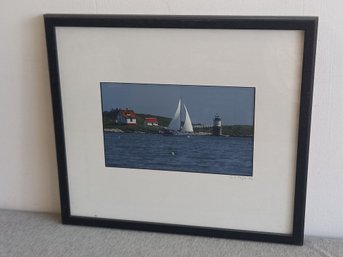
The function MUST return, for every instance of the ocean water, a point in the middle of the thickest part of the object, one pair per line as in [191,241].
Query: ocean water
[202,154]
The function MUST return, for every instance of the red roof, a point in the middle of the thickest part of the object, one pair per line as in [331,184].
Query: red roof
[151,120]
[128,113]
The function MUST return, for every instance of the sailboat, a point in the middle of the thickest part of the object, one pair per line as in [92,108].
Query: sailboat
[175,127]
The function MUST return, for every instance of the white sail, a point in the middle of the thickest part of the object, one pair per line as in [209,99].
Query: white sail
[187,126]
[175,124]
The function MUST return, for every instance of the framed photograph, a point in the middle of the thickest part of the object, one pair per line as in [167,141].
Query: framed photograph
[194,125]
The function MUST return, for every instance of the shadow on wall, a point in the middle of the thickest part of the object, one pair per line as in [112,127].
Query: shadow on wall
[37,144]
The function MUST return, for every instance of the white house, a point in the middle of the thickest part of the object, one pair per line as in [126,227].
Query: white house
[151,121]
[126,117]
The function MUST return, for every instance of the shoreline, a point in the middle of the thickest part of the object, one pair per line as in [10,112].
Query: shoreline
[119,131]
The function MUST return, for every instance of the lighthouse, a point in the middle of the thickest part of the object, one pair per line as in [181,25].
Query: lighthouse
[217,126]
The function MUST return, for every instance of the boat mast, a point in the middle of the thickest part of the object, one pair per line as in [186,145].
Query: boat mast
[180,101]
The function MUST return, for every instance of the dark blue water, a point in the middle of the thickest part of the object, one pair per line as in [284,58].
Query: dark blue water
[203,154]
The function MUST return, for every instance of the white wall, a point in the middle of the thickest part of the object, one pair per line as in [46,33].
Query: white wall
[28,173]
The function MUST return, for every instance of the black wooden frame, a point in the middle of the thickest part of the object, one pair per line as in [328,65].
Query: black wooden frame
[306,24]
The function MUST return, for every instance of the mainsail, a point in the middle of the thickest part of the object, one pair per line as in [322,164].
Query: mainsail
[175,124]
[187,126]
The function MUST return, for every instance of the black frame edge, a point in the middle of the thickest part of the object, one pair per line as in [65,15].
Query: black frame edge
[180,229]
[179,21]
[304,130]
[58,117]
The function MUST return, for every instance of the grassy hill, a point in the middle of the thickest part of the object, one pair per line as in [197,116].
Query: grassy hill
[231,130]
[109,123]
[110,116]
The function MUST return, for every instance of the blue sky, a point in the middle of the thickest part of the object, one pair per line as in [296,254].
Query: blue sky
[235,105]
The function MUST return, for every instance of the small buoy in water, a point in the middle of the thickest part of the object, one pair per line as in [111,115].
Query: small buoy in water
[188,136]
[172,153]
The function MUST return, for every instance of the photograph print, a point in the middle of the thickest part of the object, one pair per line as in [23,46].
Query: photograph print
[182,128]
